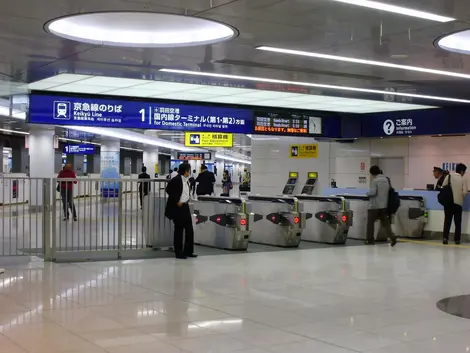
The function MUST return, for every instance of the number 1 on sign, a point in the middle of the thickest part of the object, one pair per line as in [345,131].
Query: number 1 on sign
[142,113]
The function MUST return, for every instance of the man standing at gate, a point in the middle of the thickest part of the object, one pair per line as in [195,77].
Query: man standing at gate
[144,186]
[177,209]
[66,191]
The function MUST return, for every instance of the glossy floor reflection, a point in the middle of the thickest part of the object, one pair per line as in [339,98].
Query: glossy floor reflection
[330,300]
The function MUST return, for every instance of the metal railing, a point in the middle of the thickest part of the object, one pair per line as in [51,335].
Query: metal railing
[83,219]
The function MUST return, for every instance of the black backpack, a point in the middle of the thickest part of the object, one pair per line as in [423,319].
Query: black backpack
[393,203]
[446,196]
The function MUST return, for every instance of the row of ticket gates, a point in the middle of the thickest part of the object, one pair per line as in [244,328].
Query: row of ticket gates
[233,222]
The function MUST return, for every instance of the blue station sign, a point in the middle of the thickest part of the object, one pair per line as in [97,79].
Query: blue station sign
[416,122]
[79,149]
[114,113]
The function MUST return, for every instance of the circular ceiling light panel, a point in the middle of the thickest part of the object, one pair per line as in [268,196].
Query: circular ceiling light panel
[140,29]
[458,42]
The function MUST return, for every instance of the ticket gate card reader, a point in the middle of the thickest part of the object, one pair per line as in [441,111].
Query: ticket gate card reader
[221,222]
[310,183]
[291,183]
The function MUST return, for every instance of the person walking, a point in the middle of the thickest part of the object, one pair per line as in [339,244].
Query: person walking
[378,206]
[205,180]
[192,184]
[226,184]
[177,209]
[453,211]
[144,186]
[66,191]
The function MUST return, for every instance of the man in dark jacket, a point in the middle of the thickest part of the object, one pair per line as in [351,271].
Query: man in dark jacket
[144,187]
[205,180]
[177,209]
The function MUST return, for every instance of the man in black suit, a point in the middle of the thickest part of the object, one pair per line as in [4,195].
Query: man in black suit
[205,180]
[144,187]
[177,209]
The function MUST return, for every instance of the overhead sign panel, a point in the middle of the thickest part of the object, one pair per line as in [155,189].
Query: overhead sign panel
[79,149]
[207,139]
[285,123]
[193,156]
[114,113]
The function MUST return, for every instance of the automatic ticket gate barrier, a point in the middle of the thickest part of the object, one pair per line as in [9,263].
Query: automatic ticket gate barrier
[359,205]
[221,222]
[411,217]
[276,220]
[326,219]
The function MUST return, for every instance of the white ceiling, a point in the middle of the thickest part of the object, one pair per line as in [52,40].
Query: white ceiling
[88,84]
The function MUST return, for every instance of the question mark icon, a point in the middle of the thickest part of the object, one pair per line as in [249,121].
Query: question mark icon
[389,127]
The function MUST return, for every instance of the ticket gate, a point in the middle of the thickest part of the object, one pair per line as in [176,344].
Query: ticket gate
[411,218]
[276,220]
[221,222]
[326,219]
[358,205]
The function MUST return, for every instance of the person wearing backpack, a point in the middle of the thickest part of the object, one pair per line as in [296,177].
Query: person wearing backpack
[453,204]
[379,206]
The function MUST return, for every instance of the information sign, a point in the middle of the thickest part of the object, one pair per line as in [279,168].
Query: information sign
[304,151]
[79,149]
[193,156]
[207,139]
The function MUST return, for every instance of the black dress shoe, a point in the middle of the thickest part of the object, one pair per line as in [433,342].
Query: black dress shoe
[192,255]
[445,242]
[367,242]
[394,242]
[181,257]
[457,242]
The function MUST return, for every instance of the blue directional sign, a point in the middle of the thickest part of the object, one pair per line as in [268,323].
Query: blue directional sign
[79,149]
[114,113]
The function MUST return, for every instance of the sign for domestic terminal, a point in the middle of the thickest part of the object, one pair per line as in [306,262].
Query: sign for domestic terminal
[208,139]
[193,156]
[113,113]
[79,149]
[304,151]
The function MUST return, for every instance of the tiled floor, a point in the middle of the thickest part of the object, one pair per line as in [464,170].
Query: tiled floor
[330,300]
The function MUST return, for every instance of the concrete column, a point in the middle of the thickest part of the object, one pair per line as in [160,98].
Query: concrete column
[41,157]
[150,160]
[109,166]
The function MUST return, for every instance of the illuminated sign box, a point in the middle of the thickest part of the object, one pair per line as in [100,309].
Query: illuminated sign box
[207,139]
[79,149]
[304,151]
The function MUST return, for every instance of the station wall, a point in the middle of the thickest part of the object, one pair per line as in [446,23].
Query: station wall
[407,161]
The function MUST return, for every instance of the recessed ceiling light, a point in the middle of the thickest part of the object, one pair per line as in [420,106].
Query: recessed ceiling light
[140,29]
[398,9]
[363,61]
[458,42]
[308,84]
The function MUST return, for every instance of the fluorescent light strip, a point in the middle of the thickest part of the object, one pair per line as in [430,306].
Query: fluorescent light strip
[14,132]
[398,9]
[232,159]
[318,85]
[362,61]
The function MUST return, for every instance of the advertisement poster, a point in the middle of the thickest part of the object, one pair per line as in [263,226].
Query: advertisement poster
[110,170]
